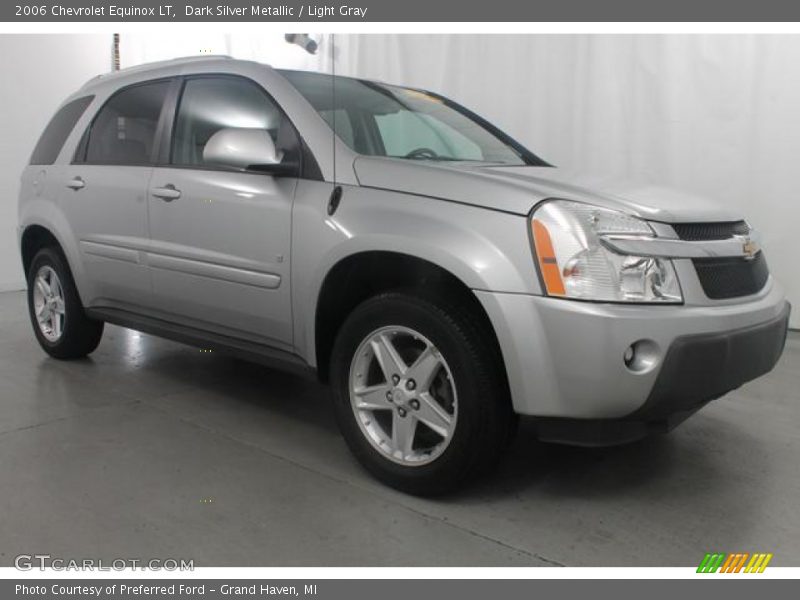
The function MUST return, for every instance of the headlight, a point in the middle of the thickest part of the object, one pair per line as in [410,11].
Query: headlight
[573,262]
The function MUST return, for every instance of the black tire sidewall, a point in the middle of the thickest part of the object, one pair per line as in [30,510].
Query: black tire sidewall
[471,379]
[74,334]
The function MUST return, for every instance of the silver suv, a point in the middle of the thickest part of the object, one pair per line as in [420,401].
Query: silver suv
[442,277]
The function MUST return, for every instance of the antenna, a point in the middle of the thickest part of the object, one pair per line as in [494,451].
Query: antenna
[333,99]
[336,193]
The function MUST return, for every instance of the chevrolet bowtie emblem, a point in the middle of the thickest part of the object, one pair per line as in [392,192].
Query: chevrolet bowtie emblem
[750,248]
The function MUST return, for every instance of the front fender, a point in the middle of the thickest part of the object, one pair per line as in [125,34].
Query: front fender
[484,249]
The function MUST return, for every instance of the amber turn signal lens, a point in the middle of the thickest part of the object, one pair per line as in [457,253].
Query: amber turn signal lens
[548,265]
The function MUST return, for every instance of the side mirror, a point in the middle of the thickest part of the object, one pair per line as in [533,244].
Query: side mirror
[245,148]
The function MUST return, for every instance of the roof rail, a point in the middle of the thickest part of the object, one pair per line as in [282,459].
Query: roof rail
[144,67]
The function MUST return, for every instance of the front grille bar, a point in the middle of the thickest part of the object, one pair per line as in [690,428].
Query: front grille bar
[739,246]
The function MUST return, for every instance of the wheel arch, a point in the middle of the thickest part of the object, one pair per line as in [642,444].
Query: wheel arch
[362,275]
[34,238]
[36,235]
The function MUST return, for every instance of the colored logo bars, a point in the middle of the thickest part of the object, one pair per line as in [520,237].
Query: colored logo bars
[734,563]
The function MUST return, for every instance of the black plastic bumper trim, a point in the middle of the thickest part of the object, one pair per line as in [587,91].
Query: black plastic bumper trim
[698,368]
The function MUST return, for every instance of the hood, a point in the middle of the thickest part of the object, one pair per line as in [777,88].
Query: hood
[518,189]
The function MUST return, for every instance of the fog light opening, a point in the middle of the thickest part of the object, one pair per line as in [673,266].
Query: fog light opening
[641,356]
[628,358]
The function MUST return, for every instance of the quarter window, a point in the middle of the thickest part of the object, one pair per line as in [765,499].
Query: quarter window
[209,104]
[124,131]
[57,131]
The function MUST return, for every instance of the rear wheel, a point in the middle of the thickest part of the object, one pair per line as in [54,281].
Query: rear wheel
[419,396]
[59,321]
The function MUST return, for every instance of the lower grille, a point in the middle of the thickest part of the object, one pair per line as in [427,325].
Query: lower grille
[731,277]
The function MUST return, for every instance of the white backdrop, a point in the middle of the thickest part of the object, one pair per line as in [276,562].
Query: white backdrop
[714,114]
[38,72]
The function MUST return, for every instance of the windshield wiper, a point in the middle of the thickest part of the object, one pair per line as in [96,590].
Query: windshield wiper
[435,159]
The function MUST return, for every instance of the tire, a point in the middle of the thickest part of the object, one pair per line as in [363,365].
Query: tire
[468,386]
[68,333]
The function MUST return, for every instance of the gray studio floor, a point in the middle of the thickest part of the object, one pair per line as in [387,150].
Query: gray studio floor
[153,449]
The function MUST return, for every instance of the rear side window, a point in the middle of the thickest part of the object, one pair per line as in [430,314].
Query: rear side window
[124,131]
[57,131]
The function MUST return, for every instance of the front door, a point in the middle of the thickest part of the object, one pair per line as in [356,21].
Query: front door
[220,238]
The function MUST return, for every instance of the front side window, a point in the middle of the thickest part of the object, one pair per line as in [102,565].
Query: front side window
[385,120]
[124,131]
[209,104]
[57,131]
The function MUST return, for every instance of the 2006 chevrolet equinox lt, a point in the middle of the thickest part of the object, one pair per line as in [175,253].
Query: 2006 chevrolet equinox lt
[438,274]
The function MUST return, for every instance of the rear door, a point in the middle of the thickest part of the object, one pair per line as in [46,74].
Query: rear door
[220,238]
[104,195]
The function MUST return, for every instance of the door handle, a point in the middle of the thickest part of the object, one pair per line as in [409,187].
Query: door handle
[76,183]
[168,193]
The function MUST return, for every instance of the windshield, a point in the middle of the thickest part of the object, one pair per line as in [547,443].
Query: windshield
[385,120]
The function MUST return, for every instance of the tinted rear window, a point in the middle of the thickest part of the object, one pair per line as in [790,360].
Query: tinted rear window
[124,131]
[57,131]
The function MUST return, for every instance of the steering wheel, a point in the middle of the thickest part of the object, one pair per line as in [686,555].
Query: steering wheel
[422,153]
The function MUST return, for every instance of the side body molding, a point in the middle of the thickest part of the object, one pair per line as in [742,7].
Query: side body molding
[181,259]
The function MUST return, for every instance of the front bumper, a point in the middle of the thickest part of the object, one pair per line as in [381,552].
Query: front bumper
[697,369]
[565,363]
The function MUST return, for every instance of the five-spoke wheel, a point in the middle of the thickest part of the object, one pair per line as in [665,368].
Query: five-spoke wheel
[419,395]
[48,303]
[403,397]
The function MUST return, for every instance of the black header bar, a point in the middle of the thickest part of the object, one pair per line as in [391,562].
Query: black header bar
[400,10]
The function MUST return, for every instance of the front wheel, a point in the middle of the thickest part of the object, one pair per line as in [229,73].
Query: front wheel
[419,397]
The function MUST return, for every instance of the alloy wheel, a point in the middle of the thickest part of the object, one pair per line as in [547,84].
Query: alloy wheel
[48,303]
[403,395]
